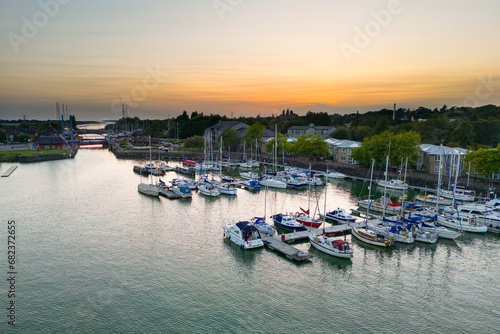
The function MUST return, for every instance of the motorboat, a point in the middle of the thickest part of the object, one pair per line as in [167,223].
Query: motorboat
[340,216]
[330,245]
[461,194]
[243,234]
[209,190]
[185,182]
[332,174]
[249,175]
[372,237]
[482,213]
[393,184]
[262,226]
[252,185]
[183,191]
[462,222]
[287,222]
[227,188]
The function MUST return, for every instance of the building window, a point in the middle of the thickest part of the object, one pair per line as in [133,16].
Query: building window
[436,169]
[437,158]
[342,158]
[53,146]
[342,150]
[47,147]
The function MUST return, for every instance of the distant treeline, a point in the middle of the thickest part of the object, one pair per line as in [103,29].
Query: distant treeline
[457,126]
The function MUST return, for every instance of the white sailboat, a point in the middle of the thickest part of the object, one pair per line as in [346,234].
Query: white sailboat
[149,188]
[329,245]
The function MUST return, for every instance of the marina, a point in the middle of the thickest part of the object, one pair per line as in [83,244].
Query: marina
[109,251]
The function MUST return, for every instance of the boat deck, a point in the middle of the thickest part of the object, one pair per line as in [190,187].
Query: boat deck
[294,236]
[9,171]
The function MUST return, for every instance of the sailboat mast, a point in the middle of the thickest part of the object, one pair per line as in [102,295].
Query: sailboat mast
[369,190]
[404,188]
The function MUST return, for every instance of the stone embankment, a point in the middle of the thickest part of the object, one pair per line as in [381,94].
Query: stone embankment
[48,157]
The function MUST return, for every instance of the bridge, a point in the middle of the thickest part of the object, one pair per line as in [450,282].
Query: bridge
[90,141]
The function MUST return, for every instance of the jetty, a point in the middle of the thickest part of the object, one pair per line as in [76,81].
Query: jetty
[280,243]
[288,250]
[9,171]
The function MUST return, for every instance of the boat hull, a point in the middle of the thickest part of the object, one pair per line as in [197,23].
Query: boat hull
[359,234]
[328,250]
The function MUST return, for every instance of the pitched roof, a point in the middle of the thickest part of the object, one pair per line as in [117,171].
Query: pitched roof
[223,125]
[438,150]
[51,137]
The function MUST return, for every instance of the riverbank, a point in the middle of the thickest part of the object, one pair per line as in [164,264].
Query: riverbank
[28,155]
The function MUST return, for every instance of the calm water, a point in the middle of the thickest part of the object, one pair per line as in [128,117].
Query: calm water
[95,256]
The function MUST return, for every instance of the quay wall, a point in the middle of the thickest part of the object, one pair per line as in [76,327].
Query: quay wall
[48,157]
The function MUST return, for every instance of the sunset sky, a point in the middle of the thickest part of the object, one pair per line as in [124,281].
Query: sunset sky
[245,57]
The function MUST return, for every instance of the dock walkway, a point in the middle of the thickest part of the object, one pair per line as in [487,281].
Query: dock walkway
[9,171]
[286,249]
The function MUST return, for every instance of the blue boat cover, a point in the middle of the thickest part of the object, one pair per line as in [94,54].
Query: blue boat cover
[246,227]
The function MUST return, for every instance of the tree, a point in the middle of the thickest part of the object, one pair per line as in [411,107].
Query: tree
[361,132]
[463,134]
[484,161]
[311,145]
[194,141]
[254,133]
[377,147]
[341,133]
[487,132]
[230,138]
[156,128]
[282,144]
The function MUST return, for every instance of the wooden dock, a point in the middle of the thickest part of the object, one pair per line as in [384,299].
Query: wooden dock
[9,171]
[286,249]
[279,243]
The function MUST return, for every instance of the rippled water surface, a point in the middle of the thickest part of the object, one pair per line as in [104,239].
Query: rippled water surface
[95,256]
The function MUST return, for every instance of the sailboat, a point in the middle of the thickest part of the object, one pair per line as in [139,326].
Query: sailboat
[329,245]
[304,217]
[369,236]
[260,222]
[149,188]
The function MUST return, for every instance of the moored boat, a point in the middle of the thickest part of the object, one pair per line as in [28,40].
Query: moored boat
[329,245]
[340,216]
[371,237]
[243,234]
[287,222]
